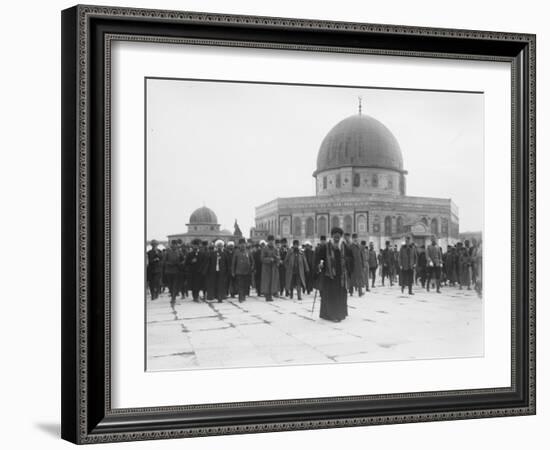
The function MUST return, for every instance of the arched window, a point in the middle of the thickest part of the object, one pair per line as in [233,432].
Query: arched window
[399,224]
[434,227]
[338,180]
[361,224]
[356,180]
[297,225]
[335,221]
[322,226]
[375,180]
[309,227]
[348,224]
[285,227]
[324,182]
[387,226]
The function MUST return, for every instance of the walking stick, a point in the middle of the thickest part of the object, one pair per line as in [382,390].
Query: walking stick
[314,298]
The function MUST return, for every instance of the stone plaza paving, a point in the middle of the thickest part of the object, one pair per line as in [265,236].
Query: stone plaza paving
[383,325]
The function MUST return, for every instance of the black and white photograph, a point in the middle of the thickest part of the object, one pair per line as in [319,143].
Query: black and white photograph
[295,224]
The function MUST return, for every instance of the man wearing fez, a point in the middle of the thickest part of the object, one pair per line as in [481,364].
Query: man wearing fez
[195,260]
[242,267]
[154,269]
[296,268]
[407,263]
[258,267]
[172,261]
[434,263]
[373,262]
[270,269]
[283,250]
[216,273]
[357,279]
[231,283]
[335,264]
[308,253]
[387,263]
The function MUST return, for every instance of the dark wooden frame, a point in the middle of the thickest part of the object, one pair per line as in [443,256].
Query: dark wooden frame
[87,32]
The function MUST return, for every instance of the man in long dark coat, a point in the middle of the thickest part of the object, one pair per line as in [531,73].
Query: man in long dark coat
[195,262]
[317,279]
[464,278]
[387,263]
[154,269]
[309,254]
[335,262]
[421,264]
[242,267]
[366,272]
[216,273]
[296,268]
[231,282]
[407,264]
[258,267]
[270,269]
[373,262]
[283,249]
[357,279]
[172,261]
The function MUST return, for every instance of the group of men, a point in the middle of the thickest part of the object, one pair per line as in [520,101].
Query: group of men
[336,268]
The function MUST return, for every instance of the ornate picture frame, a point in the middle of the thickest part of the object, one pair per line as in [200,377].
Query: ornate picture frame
[87,35]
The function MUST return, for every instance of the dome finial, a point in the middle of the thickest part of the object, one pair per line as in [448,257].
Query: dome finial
[360,106]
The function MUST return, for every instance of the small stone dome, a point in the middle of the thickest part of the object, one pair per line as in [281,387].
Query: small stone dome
[203,215]
[359,141]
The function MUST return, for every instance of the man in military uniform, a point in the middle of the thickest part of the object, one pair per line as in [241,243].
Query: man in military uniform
[373,262]
[433,265]
[308,253]
[154,269]
[270,269]
[242,266]
[194,263]
[407,264]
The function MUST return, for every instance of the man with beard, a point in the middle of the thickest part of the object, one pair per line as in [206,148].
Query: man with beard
[154,269]
[241,268]
[387,263]
[335,261]
[309,254]
[296,268]
[433,265]
[357,280]
[407,263]
[216,273]
[194,264]
[270,269]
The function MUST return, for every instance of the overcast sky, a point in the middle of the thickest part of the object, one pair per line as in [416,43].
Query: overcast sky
[234,146]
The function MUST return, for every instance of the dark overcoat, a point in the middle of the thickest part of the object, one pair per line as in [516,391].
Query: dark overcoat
[357,276]
[216,279]
[303,267]
[270,270]
[407,257]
